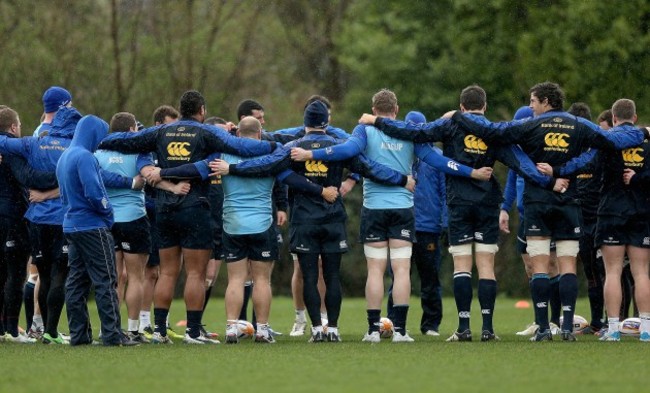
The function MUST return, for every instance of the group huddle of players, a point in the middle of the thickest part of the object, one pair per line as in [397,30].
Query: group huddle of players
[124,209]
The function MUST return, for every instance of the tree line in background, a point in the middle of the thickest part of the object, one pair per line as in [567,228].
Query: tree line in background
[134,55]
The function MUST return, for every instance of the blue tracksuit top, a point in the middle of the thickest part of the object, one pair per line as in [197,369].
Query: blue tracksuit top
[43,154]
[82,190]
[430,198]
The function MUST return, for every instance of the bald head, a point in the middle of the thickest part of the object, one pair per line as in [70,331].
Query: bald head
[249,127]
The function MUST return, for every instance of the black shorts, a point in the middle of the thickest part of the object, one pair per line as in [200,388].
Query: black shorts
[261,247]
[187,228]
[379,225]
[521,239]
[318,239]
[14,234]
[619,231]
[49,245]
[469,223]
[154,256]
[561,222]
[132,237]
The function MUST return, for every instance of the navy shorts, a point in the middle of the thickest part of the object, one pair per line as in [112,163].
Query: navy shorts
[187,228]
[132,237]
[379,225]
[261,247]
[470,223]
[619,231]
[319,239]
[561,222]
[521,239]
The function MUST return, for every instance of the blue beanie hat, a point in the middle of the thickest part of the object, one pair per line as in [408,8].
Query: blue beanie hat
[54,98]
[415,117]
[523,113]
[317,115]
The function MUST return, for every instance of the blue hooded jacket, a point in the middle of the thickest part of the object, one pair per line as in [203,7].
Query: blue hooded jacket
[42,154]
[82,190]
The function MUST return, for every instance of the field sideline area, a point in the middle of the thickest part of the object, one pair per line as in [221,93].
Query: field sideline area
[293,365]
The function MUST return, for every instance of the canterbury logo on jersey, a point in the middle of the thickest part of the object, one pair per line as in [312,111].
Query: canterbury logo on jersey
[475,145]
[315,168]
[178,151]
[633,157]
[556,141]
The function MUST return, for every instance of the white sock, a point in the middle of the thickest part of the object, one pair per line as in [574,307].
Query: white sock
[645,322]
[263,329]
[133,325]
[323,317]
[334,330]
[145,320]
[317,329]
[37,321]
[612,324]
[300,316]
[167,321]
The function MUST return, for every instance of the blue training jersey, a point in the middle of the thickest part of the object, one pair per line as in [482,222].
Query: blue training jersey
[128,205]
[395,154]
[247,203]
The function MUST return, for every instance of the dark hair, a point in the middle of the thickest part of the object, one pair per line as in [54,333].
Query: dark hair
[606,115]
[8,117]
[384,102]
[162,112]
[580,109]
[191,103]
[473,98]
[624,109]
[122,121]
[549,91]
[320,98]
[213,121]
[246,108]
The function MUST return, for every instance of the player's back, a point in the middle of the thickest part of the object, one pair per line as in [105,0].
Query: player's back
[395,154]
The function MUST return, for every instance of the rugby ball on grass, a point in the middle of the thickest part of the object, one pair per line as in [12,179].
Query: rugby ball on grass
[386,328]
[578,322]
[630,326]
[245,329]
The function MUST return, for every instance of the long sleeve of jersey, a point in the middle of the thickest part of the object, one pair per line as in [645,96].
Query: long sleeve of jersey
[513,157]
[268,165]
[294,180]
[440,162]
[346,150]
[218,140]
[503,133]
[376,171]
[28,176]
[619,137]
[144,141]
[114,180]
[442,191]
[509,191]
[575,164]
[641,179]
[143,160]
[281,196]
[17,146]
[418,133]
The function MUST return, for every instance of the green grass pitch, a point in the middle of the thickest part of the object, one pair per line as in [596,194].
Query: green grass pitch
[293,365]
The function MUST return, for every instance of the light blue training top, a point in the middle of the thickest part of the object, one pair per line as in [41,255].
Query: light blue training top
[247,205]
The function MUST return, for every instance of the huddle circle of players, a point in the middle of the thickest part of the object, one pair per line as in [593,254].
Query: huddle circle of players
[122,209]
